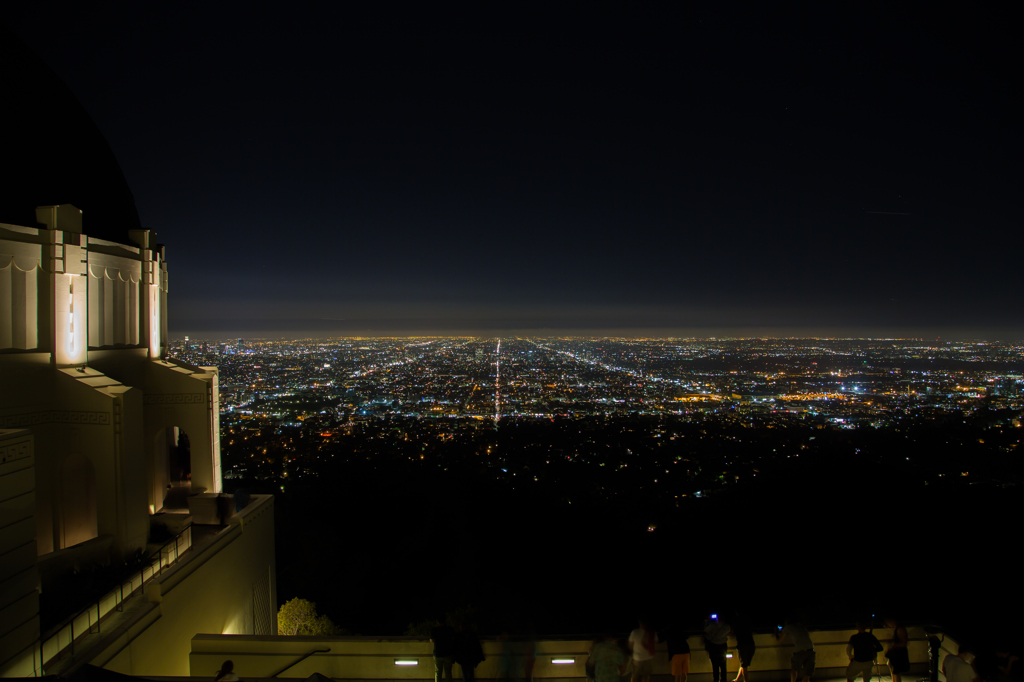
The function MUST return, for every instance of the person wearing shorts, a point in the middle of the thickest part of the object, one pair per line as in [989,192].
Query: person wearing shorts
[862,650]
[743,631]
[643,642]
[678,654]
[746,652]
[801,665]
[642,669]
[681,666]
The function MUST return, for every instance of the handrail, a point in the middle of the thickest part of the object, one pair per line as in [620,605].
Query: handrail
[61,624]
[301,659]
[113,600]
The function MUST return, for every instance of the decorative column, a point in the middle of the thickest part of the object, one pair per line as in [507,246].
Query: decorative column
[67,272]
[154,314]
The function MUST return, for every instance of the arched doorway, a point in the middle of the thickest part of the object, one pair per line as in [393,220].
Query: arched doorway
[173,469]
[181,458]
[160,469]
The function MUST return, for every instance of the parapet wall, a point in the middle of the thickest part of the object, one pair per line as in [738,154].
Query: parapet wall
[224,584]
[368,658]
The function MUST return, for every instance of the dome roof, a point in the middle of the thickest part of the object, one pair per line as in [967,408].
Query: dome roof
[53,153]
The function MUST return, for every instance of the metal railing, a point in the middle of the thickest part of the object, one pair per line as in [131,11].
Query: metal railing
[301,659]
[62,639]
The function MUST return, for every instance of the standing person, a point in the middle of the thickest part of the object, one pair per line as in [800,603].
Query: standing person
[643,643]
[744,633]
[801,665]
[468,652]
[716,641]
[678,653]
[897,655]
[607,660]
[509,663]
[226,673]
[862,650]
[528,649]
[443,638]
[959,667]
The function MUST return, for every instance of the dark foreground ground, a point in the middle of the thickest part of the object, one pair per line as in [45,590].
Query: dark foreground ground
[380,548]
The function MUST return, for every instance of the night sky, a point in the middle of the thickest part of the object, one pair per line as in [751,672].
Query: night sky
[575,168]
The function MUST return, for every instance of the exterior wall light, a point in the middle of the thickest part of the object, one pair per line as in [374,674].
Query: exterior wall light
[406,661]
[154,321]
[563,661]
[728,655]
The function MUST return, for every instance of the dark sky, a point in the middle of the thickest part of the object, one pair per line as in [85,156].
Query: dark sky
[576,167]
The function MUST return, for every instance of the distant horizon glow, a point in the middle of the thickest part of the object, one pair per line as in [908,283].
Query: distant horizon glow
[679,335]
[791,185]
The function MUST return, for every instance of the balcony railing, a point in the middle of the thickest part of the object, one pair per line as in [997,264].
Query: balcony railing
[60,642]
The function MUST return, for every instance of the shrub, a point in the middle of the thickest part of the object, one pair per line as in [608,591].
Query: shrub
[299,617]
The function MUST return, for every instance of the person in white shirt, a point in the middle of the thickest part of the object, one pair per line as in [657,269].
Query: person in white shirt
[643,643]
[959,667]
[802,662]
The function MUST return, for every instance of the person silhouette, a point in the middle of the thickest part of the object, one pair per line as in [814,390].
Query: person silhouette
[743,631]
[716,641]
[468,651]
[226,672]
[862,651]
[443,638]
[643,643]
[897,655]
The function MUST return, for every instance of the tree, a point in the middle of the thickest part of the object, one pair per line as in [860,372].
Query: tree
[299,617]
[458,616]
[421,629]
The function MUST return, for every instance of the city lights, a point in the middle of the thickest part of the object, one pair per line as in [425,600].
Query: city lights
[288,405]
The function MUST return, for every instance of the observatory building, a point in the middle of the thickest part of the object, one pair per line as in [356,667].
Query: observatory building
[117,545]
[110,466]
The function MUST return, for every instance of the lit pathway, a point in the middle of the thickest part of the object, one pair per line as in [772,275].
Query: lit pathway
[638,375]
[497,383]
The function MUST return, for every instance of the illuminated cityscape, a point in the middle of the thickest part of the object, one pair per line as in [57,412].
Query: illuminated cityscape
[541,435]
[287,404]
[327,327]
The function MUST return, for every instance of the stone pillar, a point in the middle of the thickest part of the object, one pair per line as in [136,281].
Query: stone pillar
[66,268]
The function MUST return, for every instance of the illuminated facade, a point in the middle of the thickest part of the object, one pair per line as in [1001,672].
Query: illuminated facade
[93,426]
